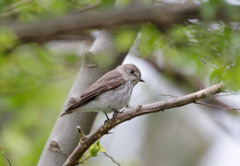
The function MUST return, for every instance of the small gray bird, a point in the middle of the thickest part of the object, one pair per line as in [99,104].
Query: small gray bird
[109,93]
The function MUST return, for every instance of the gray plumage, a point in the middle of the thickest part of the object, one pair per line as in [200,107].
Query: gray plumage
[112,91]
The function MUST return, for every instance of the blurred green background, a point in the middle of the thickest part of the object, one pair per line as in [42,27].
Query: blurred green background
[33,87]
[35,79]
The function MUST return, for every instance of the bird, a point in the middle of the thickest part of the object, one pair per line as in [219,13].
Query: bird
[109,93]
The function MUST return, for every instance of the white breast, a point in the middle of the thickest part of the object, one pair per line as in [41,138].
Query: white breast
[114,99]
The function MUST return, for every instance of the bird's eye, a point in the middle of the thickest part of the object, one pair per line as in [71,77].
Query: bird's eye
[132,71]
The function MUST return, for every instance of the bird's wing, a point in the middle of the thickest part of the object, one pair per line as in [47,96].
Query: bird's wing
[107,82]
[99,88]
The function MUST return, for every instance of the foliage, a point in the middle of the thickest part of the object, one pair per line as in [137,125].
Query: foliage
[33,87]
[92,152]
[124,39]
[214,46]
[35,81]
[33,10]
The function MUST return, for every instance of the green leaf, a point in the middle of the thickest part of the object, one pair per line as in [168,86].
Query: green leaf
[216,76]
[7,38]
[231,75]
[124,40]
[150,40]
[94,149]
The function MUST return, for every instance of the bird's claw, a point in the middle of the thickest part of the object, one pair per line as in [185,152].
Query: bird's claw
[116,112]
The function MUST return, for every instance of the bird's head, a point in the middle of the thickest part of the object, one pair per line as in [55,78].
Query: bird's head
[131,72]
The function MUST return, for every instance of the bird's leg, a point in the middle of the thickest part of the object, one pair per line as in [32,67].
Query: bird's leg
[115,112]
[106,116]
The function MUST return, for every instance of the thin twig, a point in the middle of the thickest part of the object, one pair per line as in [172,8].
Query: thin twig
[205,73]
[207,63]
[13,11]
[16,4]
[84,160]
[80,131]
[216,106]
[113,160]
[226,93]
[202,60]
[211,60]
[87,8]
[168,95]
[5,156]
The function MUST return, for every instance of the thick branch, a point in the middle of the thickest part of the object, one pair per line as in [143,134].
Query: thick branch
[165,16]
[132,113]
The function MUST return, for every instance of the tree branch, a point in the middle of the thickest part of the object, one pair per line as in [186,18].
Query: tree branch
[113,160]
[132,113]
[165,16]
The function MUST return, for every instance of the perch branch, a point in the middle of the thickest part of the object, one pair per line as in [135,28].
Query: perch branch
[132,113]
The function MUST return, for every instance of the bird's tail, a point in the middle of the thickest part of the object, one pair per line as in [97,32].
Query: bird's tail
[67,111]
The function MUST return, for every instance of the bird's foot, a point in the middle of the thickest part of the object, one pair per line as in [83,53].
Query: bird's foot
[116,112]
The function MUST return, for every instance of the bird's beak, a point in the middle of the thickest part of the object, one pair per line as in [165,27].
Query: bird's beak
[141,80]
